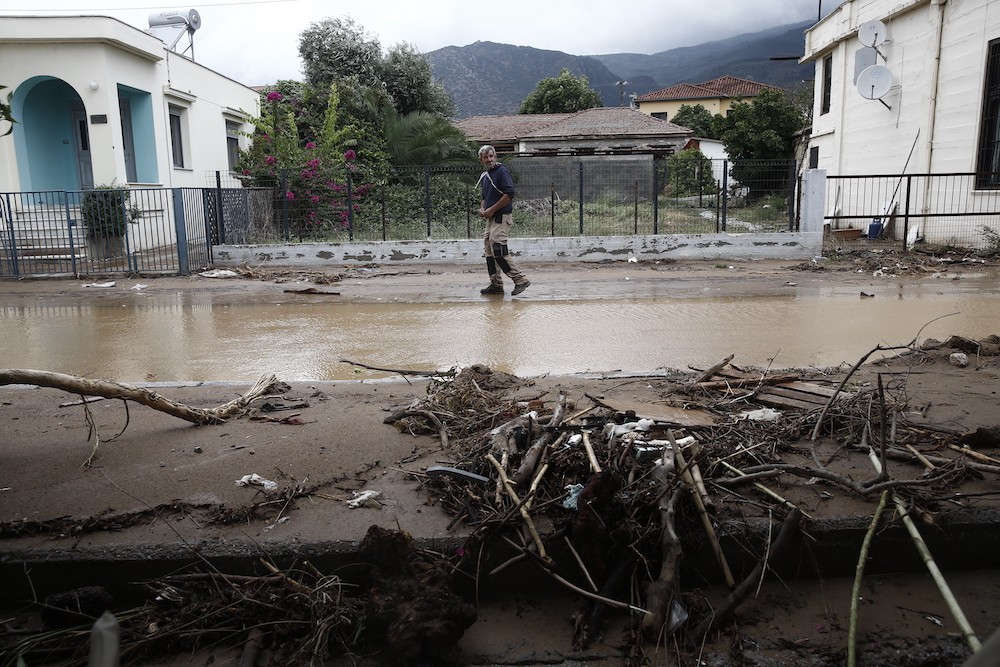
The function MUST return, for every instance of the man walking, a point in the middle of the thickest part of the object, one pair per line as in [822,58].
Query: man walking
[497,209]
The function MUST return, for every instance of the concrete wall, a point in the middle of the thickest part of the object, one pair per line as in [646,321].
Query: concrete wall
[797,245]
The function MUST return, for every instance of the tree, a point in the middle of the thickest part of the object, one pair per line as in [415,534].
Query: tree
[703,122]
[335,48]
[6,114]
[562,94]
[764,128]
[339,51]
[760,130]
[410,82]
[690,173]
[420,138]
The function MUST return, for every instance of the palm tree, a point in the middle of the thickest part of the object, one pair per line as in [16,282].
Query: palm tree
[420,138]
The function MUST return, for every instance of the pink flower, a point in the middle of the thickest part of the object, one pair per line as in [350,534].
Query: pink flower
[246,172]
[275,96]
[315,199]
[310,145]
[313,163]
[350,155]
[270,159]
[289,195]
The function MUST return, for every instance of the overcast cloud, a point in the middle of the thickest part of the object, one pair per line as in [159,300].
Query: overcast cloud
[256,41]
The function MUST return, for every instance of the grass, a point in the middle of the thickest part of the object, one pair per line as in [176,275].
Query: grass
[608,216]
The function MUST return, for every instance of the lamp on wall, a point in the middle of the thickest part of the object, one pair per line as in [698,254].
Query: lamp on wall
[93,85]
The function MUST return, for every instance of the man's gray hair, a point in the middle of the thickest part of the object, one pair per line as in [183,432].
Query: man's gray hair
[486,150]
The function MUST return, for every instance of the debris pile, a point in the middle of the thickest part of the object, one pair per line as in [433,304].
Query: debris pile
[606,496]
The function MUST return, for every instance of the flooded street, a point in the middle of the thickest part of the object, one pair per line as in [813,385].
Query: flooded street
[557,327]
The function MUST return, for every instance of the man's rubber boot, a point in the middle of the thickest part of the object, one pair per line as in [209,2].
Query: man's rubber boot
[496,282]
[520,288]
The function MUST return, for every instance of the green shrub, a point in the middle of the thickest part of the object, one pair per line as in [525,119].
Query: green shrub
[106,211]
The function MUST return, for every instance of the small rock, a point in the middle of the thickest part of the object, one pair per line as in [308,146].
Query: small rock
[197,450]
[960,359]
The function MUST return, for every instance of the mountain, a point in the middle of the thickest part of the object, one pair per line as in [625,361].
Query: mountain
[490,78]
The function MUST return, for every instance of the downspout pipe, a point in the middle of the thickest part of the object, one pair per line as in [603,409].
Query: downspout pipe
[937,21]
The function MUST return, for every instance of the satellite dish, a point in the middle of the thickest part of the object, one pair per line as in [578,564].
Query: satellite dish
[874,82]
[872,33]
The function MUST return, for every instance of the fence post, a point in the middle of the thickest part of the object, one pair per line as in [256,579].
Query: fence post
[69,227]
[350,207]
[656,197]
[383,213]
[469,197]
[635,207]
[813,201]
[906,213]
[552,208]
[792,169]
[427,198]
[581,199]
[180,228]
[13,238]
[219,223]
[725,194]
[286,228]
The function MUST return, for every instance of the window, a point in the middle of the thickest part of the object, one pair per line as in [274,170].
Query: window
[827,84]
[814,157]
[662,115]
[232,143]
[988,161]
[177,136]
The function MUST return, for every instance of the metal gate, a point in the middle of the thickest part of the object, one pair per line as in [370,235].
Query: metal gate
[121,231]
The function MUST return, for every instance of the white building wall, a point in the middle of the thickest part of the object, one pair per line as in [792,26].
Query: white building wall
[930,119]
[84,49]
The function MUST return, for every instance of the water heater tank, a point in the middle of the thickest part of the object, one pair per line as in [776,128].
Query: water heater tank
[178,17]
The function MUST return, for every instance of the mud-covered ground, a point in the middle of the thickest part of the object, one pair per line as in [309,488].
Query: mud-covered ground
[158,488]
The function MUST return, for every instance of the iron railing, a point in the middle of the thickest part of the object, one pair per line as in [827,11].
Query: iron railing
[119,231]
[890,209]
[152,230]
[557,195]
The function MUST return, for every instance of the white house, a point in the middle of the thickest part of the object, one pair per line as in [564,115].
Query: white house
[98,101]
[911,86]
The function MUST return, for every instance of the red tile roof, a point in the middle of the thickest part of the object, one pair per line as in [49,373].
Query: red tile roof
[597,122]
[723,87]
[506,128]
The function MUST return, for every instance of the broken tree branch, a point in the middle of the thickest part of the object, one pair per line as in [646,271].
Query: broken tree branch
[107,389]
[399,371]
[918,541]
[724,614]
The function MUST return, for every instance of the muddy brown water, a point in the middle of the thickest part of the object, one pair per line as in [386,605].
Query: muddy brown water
[204,337]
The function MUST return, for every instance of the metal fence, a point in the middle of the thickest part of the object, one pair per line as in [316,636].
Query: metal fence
[158,230]
[119,231]
[898,211]
[557,195]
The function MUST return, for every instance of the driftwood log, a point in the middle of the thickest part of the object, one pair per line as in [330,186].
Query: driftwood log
[267,384]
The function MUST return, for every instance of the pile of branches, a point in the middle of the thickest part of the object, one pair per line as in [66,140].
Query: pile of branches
[398,605]
[603,501]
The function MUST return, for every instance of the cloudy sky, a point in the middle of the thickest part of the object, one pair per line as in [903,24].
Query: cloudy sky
[256,41]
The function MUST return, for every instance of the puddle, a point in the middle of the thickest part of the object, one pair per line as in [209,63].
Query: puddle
[201,337]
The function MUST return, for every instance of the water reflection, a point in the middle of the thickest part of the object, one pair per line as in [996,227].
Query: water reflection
[184,337]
